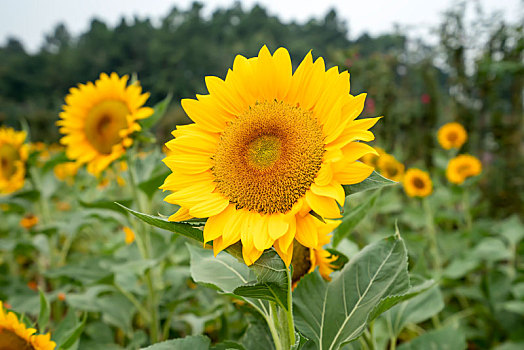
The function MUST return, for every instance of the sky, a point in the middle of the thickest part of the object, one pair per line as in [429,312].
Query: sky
[30,20]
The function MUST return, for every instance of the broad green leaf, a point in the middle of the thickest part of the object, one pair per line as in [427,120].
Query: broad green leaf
[182,228]
[415,310]
[117,311]
[443,339]
[332,314]
[374,181]
[257,337]
[223,272]
[227,274]
[160,109]
[194,342]
[353,217]
[393,300]
[271,275]
[30,195]
[228,345]
[43,316]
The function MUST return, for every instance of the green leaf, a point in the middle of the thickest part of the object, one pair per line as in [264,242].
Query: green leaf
[30,195]
[393,300]
[160,109]
[70,337]
[228,274]
[443,338]
[374,181]
[224,272]
[183,228]
[415,310]
[332,314]
[43,317]
[257,337]
[354,216]
[271,275]
[194,342]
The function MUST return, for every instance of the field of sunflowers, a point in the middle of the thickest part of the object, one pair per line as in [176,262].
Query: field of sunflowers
[284,215]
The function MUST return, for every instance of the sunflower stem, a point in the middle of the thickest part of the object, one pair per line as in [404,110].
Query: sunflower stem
[273,324]
[430,225]
[466,208]
[144,246]
[290,321]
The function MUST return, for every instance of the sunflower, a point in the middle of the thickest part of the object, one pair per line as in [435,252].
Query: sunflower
[15,336]
[390,167]
[371,159]
[99,118]
[461,167]
[29,221]
[305,260]
[452,135]
[66,171]
[13,155]
[268,146]
[417,183]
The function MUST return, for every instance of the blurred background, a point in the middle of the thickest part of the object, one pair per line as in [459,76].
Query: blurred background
[422,64]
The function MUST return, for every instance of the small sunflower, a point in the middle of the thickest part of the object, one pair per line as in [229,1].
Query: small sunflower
[13,155]
[29,221]
[66,171]
[452,135]
[461,167]
[268,146]
[15,336]
[99,118]
[417,183]
[371,159]
[390,167]
[305,260]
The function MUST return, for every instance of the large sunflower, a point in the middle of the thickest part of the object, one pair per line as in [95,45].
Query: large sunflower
[15,336]
[268,146]
[452,135]
[417,183]
[99,118]
[13,155]
[461,167]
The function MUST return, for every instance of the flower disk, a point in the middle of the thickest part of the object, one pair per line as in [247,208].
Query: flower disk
[461,167]
[268,157]
[417,183]
[452,135]
[99,118]
[267,148]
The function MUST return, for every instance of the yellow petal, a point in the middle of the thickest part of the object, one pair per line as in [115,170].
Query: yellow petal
[324,206]
[307,233]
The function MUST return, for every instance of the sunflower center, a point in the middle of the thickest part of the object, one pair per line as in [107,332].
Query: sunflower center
[11,341]
[263,151]
[452,137]
[8,157]
[418,183]
[463,169]
[268,157]
[391,170]
[103,124]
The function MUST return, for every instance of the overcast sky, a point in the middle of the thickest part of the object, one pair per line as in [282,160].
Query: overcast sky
[29,20]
